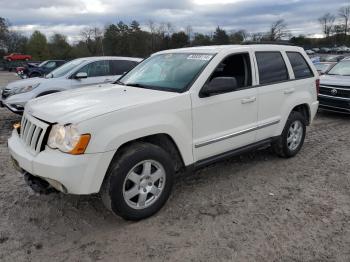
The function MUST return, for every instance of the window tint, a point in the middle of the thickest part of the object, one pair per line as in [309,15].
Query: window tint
[237,66]
[95,69]
[300,67]
[119,67]
[271,67]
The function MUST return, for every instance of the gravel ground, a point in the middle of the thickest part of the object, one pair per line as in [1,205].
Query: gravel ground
[256,207]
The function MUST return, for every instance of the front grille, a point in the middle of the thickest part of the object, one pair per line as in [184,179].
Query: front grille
[336,91]
[32,133]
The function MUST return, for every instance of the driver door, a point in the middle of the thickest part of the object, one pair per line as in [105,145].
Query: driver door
[98,72]
[226,121]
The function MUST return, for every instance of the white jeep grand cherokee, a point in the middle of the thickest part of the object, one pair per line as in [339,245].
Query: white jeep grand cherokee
[177,109]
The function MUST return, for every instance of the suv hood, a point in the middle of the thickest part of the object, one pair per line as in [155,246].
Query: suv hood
[335,80]
[74,106]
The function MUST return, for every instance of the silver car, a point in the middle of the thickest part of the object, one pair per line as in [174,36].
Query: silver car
[76,73]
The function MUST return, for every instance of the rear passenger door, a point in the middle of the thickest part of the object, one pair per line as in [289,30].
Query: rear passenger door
[273,90]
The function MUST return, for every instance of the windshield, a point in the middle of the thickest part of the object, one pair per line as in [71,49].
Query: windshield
[167,72]
[342,68]
[64,69]
[42,63]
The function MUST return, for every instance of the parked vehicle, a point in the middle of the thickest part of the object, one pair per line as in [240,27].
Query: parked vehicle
[335,88]
[309,52]
[33,70]
[325,50]
[332,58]
[76,73]
[316,50]
[182,108]
[15,57]
[324,67]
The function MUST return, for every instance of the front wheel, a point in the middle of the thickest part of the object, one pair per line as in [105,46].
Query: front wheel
[292,137]
[139,182]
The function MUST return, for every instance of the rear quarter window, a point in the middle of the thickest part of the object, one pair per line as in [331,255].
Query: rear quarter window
[119,67]
[271,67]
[300,67]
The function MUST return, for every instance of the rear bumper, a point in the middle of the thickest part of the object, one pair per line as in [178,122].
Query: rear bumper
[334,104]
[78,174]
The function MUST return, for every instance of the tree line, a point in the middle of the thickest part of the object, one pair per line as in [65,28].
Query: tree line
[123,39]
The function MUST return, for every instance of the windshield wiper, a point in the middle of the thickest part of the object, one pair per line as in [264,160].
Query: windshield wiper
[119,83]
[138,85]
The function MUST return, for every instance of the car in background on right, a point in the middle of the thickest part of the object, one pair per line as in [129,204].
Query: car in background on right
[324,67]
[334,93]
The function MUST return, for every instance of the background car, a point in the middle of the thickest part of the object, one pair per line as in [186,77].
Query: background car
[33,70]
[76,73]
[332,58]
[335,88]
[316,50]
[309,52]
[324,67]
[15,57]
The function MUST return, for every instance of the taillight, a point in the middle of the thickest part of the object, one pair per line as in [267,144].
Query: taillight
[318,86]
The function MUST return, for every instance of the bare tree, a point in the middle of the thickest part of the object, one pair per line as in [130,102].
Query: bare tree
[278,30]
[327,23]
[344,13]
[93,37]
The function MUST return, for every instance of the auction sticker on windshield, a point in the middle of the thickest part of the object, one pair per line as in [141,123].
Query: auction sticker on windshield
[200,57]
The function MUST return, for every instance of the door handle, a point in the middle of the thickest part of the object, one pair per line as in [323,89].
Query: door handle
[248,100]
[108,80]
[289,91]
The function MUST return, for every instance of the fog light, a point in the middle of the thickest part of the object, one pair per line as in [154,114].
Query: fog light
[17,125]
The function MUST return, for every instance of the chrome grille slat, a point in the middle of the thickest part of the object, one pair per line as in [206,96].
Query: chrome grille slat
[35,137]
[32,133]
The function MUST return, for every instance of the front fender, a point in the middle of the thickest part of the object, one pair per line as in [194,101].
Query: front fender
[111,131]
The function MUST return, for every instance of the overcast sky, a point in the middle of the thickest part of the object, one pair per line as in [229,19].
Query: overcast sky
[71,16]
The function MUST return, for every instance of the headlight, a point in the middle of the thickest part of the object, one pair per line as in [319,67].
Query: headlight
[25,89]
[67,139]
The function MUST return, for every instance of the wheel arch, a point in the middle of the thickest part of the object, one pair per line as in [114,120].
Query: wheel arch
[163,140]
[305,110]
[47,93]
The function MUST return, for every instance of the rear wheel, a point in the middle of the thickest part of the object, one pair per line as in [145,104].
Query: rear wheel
[293,135]
[138,182]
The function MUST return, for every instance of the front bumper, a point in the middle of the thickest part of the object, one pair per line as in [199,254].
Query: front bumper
[334,104]
[78,174]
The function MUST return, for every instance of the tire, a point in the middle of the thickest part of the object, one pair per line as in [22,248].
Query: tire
[290,142]
[147,195]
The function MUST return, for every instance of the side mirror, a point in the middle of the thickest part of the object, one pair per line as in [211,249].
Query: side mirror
[219,85]
[81,75]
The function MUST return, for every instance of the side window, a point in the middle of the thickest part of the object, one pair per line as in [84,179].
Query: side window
[271,66]
[95,69]
[300,67]
[119,67]
[237,66]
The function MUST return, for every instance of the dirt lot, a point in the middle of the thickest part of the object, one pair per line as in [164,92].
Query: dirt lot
[256,207]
